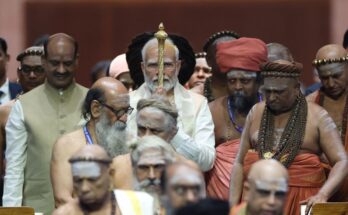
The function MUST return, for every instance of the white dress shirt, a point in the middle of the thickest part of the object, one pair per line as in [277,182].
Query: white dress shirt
[14,178]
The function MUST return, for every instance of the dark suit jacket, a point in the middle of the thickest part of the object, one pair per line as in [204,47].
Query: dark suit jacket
[15,89]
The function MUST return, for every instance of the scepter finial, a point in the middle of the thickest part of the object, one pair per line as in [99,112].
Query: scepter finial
[161,36]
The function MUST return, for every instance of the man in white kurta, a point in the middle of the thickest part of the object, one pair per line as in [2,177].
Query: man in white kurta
[37,119]
[195,137]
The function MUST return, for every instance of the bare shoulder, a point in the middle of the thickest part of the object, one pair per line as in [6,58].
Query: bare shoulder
[70,208]
[312,97]
[315,111]
[257,109]
[216,104]
[120,160]
[70,141]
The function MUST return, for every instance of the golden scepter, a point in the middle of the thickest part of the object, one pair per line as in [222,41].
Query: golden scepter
[161,36]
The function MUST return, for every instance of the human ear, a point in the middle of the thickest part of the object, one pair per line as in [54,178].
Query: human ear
[95,109]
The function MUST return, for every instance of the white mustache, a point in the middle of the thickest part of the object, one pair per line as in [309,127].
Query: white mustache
[148,182]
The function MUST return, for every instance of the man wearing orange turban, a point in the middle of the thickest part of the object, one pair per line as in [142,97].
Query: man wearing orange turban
[239,61]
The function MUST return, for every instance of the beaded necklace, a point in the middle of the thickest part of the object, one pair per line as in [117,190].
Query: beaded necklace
[344,116]
[232,116]
[291,139]
[113,205]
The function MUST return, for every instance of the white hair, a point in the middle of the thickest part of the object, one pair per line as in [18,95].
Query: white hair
[154,41]
[151,142]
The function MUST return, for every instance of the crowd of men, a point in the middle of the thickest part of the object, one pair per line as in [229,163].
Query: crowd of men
[230,131]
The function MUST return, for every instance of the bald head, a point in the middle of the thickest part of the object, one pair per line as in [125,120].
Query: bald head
[331,51]
[277,51]
[60,39]
[266,188]
[110,85]
[184,184]
[90,168]
[105,90]
[92,152]
[267,170]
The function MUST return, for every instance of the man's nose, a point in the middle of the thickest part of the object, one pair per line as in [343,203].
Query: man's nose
[85,186]
[32,74]
[272,96]
[148,132]
[271,199]
[190,196]
[330,82]
[239,85]
[152,174]
[123,118]
[200,73]
[61,68]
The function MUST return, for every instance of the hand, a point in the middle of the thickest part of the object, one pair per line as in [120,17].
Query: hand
[160,91]
[319,198]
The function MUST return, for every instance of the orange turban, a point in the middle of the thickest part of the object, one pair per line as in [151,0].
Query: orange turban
[243,53]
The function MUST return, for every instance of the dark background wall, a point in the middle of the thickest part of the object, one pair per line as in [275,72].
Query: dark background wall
[105,28]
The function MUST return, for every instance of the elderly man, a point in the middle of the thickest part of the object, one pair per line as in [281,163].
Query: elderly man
[183,184]
[119,70]
[149,156]
[201,73]
[156,116]
[265,189]
[90,169]
[36,121]
[239,60]
[287,128]
[215,86]
[195,138]
[105,107]
[30,74]
[332,65]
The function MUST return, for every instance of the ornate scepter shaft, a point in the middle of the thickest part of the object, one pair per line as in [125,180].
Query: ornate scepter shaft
[161,36]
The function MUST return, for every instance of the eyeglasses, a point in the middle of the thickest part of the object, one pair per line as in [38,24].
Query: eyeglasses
[118,113]
[28,69]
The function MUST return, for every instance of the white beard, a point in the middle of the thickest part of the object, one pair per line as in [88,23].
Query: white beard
[111,137]
[168,83]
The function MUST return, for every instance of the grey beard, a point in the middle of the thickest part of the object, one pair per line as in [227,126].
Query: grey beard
[168,83]
[111,138]
[241,103]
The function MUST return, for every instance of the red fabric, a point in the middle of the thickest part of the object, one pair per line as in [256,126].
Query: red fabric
[306,176]
[218,178]
[243,53]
